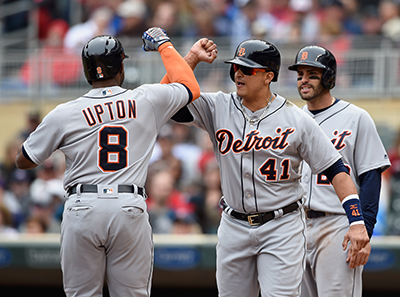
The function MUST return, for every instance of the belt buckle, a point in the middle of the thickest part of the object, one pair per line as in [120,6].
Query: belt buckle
[250,218]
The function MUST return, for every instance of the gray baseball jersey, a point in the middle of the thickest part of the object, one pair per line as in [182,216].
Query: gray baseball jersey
[260,164]
[260,172]
[101,128]
[107,137]
[353,133]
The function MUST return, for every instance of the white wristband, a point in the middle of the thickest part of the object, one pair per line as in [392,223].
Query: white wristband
[352,196]
[357,223]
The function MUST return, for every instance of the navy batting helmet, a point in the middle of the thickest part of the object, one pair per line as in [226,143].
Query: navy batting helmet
[319,57]
[102,57]
[256,53]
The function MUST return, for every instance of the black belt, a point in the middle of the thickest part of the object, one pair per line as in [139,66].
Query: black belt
[313,214]
[93,189]
[258,218]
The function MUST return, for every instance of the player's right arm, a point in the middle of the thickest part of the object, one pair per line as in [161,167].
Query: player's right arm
[204,50]
[318,151]
[22,161]
[178,71]
[357,234]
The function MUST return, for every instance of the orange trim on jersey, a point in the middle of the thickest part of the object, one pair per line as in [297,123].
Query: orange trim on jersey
[177,69]
[120,106]
[101,148]
[99,111]
[285,165]
[109,159]
[89,117]
[131,109]
[115,142]
[110,111]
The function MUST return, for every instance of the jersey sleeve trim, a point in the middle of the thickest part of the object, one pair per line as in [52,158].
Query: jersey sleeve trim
[382,166]
[190,93]
[334,169]
[26,154]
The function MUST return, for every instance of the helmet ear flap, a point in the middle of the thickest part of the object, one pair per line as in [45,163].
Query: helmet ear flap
[232,73]
[328,79]
[275,78]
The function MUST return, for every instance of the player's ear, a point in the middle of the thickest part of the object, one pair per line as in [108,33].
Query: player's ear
[268,77]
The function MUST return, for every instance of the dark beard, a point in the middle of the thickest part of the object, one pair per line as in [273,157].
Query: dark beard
[316,92]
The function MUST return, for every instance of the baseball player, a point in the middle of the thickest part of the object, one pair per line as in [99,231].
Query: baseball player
[260,140]
[353,134]
[107,136]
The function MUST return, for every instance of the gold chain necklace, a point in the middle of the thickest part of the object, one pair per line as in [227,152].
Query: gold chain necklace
[253,121]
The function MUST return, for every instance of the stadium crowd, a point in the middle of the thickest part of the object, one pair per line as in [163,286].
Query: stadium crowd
[61,33]
[285,21]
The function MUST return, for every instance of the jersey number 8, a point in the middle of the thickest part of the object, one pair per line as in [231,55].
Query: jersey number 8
[113,143]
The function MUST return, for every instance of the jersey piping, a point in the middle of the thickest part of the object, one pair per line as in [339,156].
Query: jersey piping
[340,110]
[253,164]
[258,125]
[241,158]
[312,181]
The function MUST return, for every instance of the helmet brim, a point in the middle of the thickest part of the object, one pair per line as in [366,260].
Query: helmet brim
[306,63]
[244,62]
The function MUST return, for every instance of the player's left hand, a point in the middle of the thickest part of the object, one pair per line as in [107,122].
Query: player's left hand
[358,238]
[359,259]
[153,38]
[204,50]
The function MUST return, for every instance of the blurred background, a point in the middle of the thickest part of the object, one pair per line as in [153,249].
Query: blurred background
[40,67]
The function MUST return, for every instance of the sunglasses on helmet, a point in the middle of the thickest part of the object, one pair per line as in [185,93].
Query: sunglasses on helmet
[248,70]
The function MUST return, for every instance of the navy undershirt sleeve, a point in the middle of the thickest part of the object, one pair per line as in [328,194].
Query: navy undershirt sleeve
[370,189]
[183,116]
[190,93]
[334,169]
